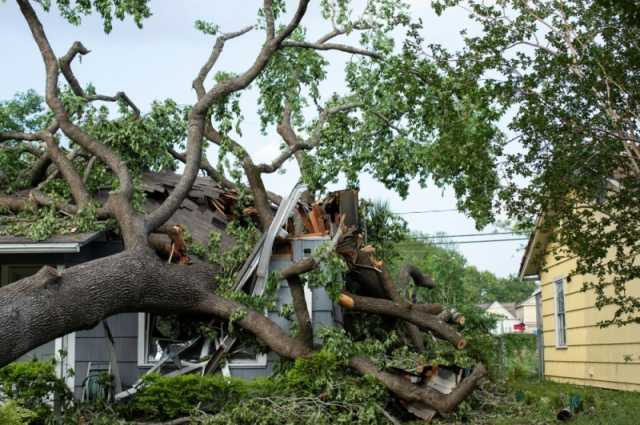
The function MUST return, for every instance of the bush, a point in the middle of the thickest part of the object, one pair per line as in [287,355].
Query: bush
[163,397]
[11,413]
[34,385]
[314,390]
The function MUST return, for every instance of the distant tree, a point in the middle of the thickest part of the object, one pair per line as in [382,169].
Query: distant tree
[459,283]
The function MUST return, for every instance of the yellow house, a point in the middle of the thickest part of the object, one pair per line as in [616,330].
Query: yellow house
[574,348]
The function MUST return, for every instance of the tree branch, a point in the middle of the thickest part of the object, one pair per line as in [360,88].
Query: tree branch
[77,48]
[305,329]
[332,46]
[282,158]
[33,311]
[256,184]
[405,312]
[207,168]
[196,128]
[198,82]
[18,135]
[68,171]
[419,278]
[269,19]
[119,202]
[411,392]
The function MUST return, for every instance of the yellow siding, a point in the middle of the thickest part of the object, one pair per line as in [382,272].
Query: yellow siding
[593,356]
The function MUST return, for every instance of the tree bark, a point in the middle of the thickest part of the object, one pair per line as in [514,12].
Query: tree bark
[305,329]
[42,307]
[406,312]
[410,392]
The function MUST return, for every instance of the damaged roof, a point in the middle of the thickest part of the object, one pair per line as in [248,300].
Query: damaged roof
[202,211]
[206,208]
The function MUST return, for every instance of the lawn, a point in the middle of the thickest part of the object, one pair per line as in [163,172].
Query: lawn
[527,401]
[516,397]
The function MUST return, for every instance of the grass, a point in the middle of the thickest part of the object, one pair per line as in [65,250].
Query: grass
[527,401]
[517,397]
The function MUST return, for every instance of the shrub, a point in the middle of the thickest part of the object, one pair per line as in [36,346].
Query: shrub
[310,390]
[11,413]
[33,385]
[163,397]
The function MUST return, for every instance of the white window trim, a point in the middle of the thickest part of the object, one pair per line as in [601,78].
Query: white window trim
[259,362]
[68,344]
[142,342]
[66,364]
[555,315]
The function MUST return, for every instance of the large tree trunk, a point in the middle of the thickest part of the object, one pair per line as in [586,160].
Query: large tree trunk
[50,304]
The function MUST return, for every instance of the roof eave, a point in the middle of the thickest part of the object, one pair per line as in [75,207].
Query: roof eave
[47,247]
[529,266]
[40,248]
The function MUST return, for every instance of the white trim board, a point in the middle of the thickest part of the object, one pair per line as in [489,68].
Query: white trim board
[40,248]
[563,283]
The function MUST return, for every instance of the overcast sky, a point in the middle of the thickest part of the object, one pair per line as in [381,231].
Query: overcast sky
[161,60]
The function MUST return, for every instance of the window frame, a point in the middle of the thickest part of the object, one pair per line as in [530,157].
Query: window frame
[559,287]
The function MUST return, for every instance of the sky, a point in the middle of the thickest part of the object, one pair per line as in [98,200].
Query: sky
[161,60]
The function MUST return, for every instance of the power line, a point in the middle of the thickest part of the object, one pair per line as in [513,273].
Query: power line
[482,241]
[467,235]
[426,211]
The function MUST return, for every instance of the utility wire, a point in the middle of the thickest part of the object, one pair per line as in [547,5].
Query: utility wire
[482,241]
[426,211]
[465,235]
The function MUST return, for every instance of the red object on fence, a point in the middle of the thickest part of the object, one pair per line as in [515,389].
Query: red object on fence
[519,327]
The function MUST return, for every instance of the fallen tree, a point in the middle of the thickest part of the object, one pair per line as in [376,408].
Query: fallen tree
[75,143]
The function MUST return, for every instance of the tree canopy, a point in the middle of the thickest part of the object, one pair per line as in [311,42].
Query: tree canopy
[565,76]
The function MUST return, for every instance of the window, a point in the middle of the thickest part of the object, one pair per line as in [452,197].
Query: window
[561,323]
[160,334]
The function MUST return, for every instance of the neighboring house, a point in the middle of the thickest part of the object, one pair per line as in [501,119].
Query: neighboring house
[507,322]
[139,341]
[526,313]
[576,349]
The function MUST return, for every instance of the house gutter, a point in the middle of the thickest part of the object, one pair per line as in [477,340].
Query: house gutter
[46,247]
[40,248]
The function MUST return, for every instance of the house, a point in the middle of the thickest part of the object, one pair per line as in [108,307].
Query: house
[129,345]
[573,347]
[526,314]
[506,313]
